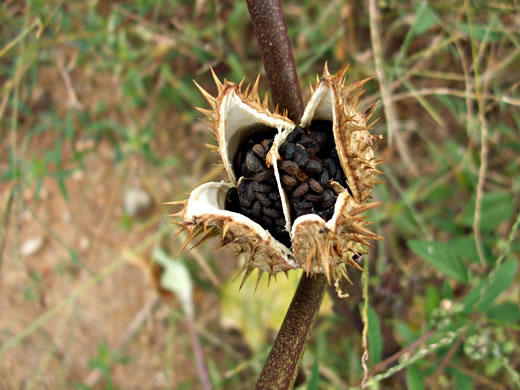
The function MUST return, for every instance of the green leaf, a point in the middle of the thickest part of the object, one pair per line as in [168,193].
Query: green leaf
[314,382]
[375,339]
[405,333]
[414,378]
[442,257]
[424,20]
[433,298]
[489,288]
[505,311]
[175,278]
[501,279]
[462,381]
[479,31]
[465,248]
[496,207]
[321,346]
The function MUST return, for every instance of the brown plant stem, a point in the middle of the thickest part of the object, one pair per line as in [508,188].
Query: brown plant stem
[281,367]
[275,48]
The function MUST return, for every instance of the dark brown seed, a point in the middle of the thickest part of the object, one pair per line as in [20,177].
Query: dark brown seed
[313,149]
[243,170]
[324,178]
[263,175]
[319,136]
[330,166]
[289,180]
[312,198]
[306,139]
[312,167]
[253,163]
[289,166]
[266,221]
[301,212]
[271,213]
[242,187]
[296,133]
[259,150]
[301,157]
[328,199]
[280,221]
[257,209]
[262,187]
[250,189]
[315,186]
[287,150]
[303,205]
[266,202]
[274,196]
[300,190]
[267,143]
[245,203]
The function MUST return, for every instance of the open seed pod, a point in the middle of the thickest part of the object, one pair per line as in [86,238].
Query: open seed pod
[204,216]
[295,192]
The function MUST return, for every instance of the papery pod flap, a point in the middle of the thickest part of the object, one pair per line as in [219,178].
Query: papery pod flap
[204,216]
[236,115]
[336,101]
[321,247]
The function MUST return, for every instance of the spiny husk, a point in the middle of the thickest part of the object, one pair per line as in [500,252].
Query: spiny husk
[320,247]
[336,101]
[204,216]
[237,114]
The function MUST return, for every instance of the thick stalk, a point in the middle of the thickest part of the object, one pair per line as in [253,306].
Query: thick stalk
[275,48]
[281,367]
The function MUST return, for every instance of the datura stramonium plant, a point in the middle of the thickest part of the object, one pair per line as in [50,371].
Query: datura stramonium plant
[296,193]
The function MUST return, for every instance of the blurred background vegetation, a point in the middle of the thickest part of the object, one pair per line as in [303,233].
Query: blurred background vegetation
[97,130]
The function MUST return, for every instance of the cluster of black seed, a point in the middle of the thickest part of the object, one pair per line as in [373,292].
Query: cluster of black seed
[257,196]
[309,161]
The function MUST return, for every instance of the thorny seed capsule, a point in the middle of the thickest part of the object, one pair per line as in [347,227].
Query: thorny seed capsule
[272,161]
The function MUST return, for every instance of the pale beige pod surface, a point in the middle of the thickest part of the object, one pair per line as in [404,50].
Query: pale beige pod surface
[314,244]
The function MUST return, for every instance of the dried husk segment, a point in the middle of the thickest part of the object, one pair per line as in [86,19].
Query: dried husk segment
[204,216]
[236,115]
[322,246]
[336,101]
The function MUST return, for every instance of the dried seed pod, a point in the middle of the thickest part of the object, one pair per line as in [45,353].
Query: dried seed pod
[334,101]
[204,215]
[326,165]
